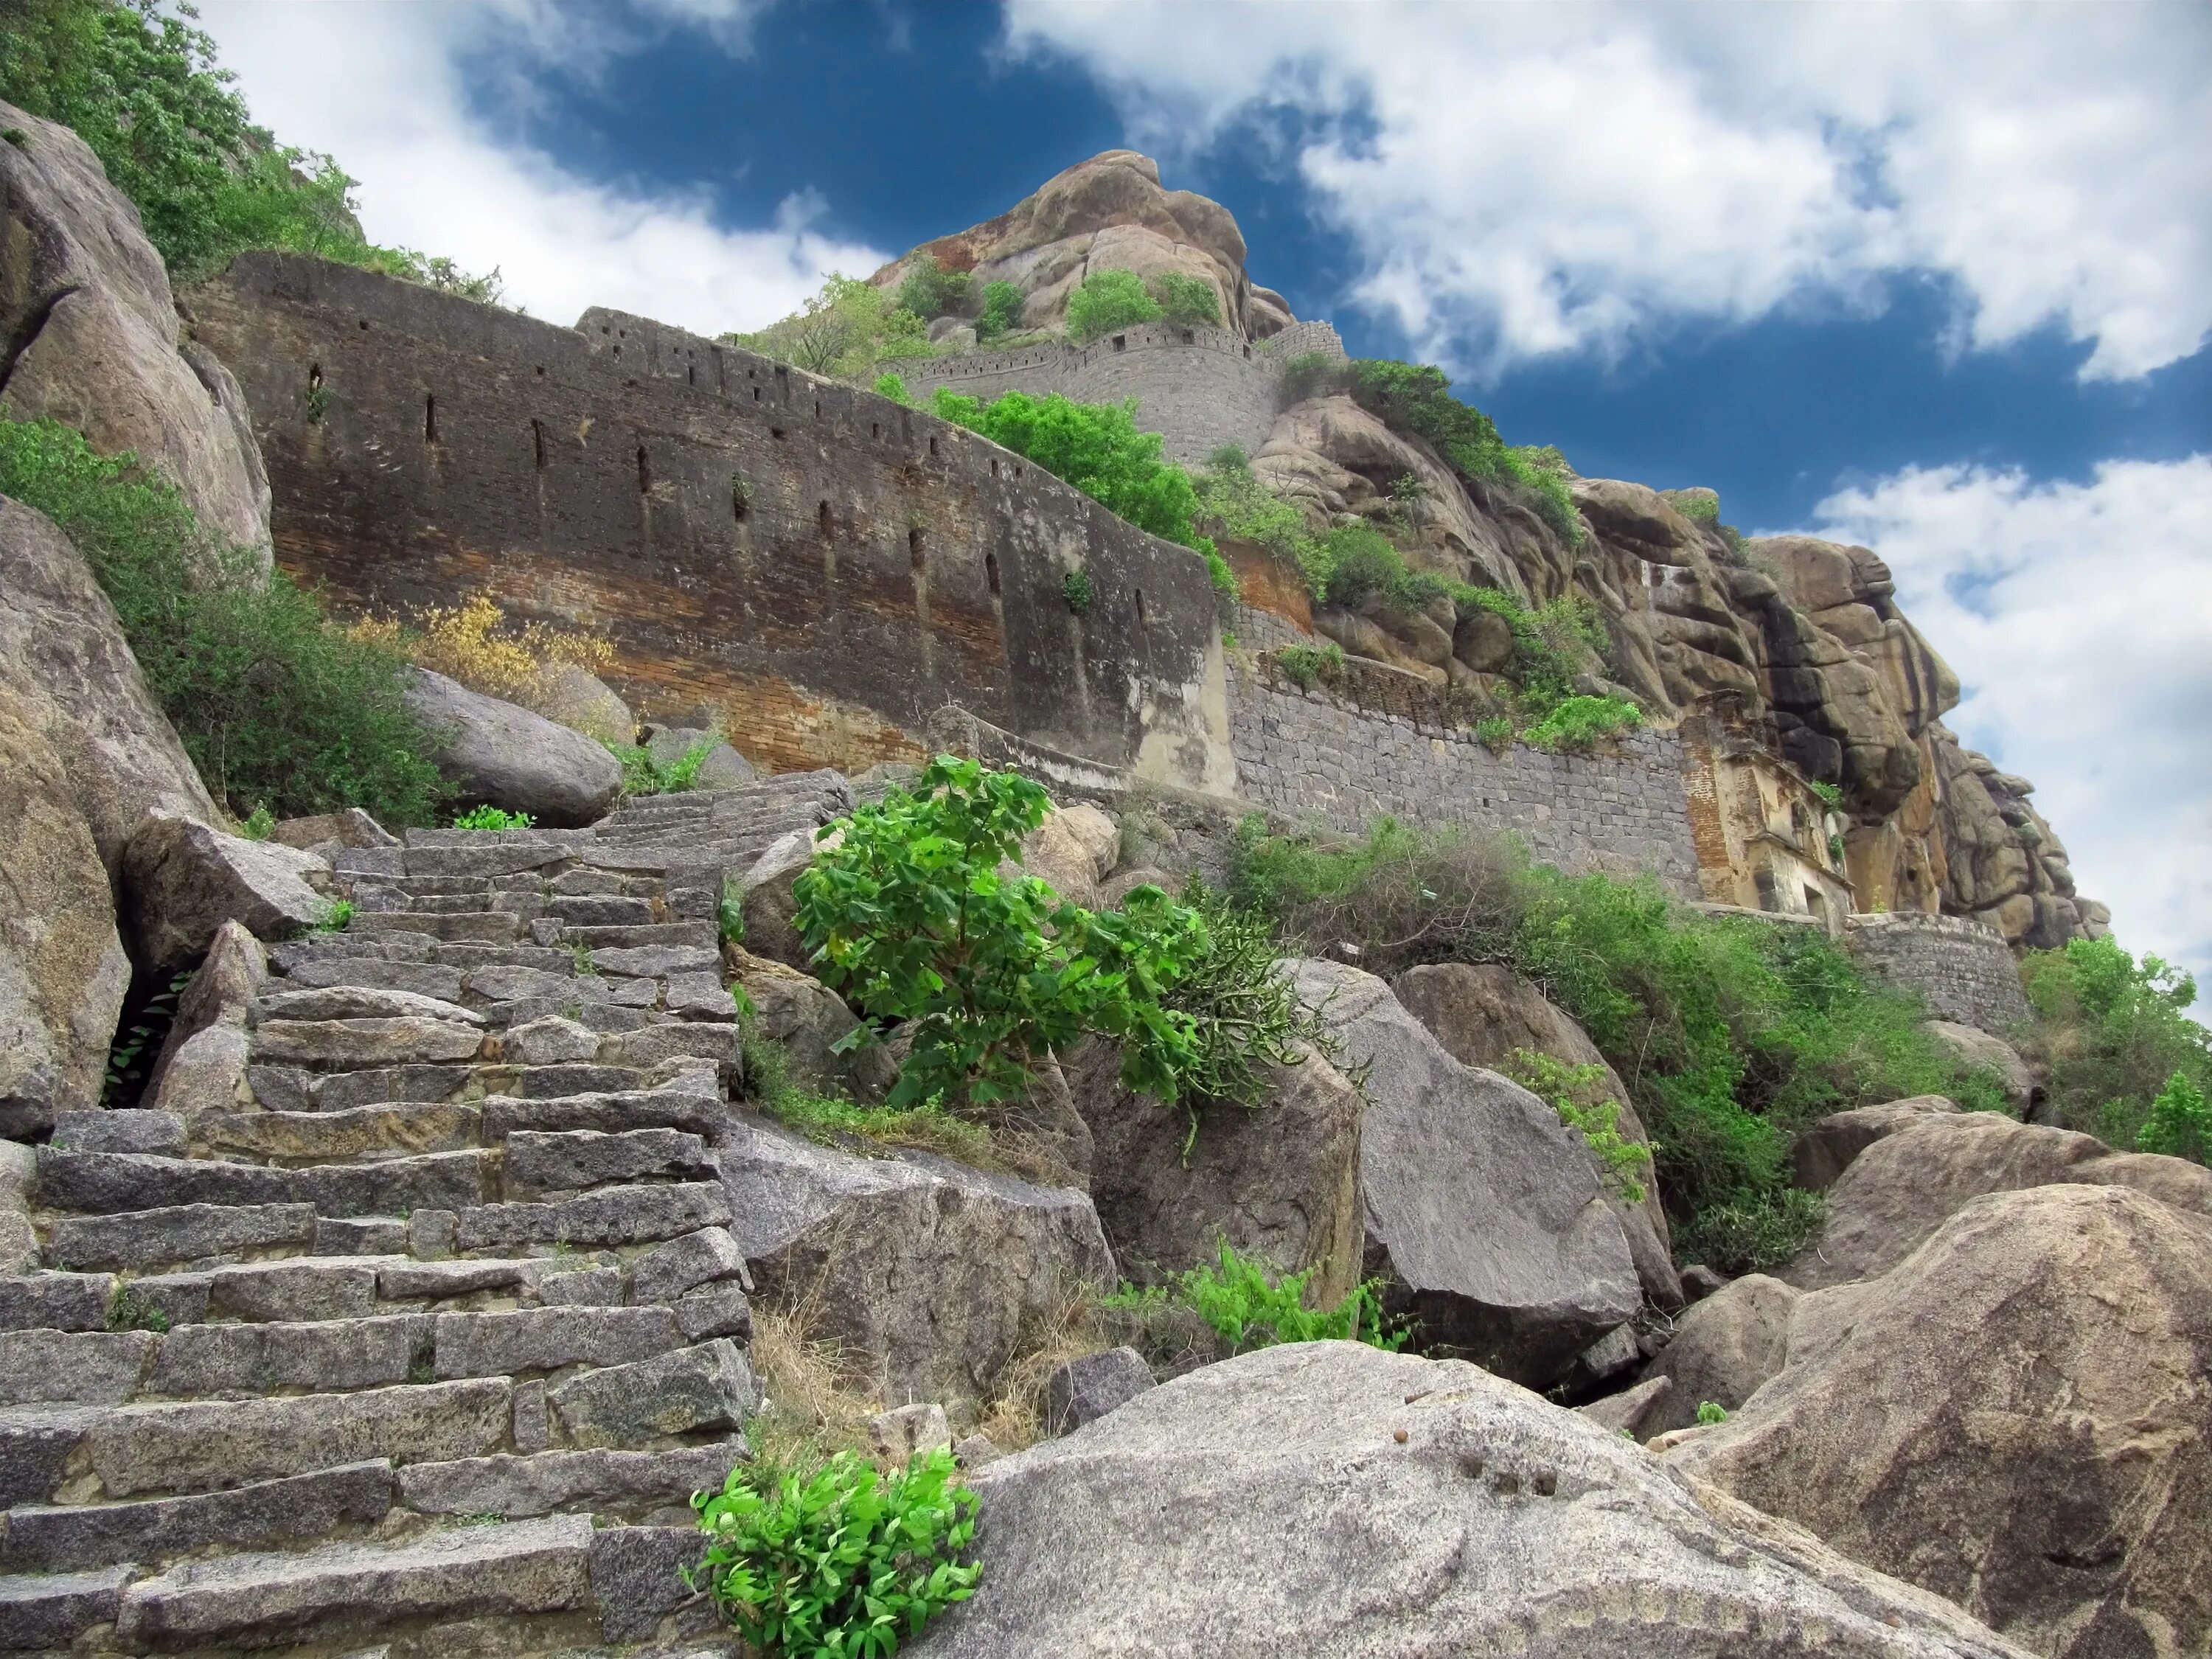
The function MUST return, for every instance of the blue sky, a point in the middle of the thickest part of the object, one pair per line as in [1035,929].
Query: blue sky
[1937,277]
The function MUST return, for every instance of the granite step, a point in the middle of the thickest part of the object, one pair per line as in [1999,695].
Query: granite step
[702,933]
[611,1216]
[469,927]
[110,1184]
[70,1537]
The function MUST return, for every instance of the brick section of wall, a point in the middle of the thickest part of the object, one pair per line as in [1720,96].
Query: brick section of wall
[1263,630]
[1321,756]
[1961,966]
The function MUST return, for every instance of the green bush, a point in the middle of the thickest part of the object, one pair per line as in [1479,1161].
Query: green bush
[843,332]
[1230,501]
[930,291]
[643,775]
[1831,796]
[1248,1308]
[1185,301]
[493,818]
[1002,309]
[277,707]
[2180,1124]
[1574,1093]
[1075,588]
[1106,300]
[893,387]
[1312,375]
[141,89]
[2111,1033]
[1308,664]
[1416,398]
[1755,1235]
[1095,446]
[1711,1412]
[1698,508]
[258,824]
[841,1563]
[1575,725]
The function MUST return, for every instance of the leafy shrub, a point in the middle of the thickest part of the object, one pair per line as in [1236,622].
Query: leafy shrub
[840,1563]
[1002,309]
[2112,1033]
[1592,1117]
[1830,794]
[1711,1412]
[1106,300]
[1230,501]
[2180,1124]
[912,919]
[1307,664]
[644,774]
[493,818]
[930,291]
[1185,301]
[469,643]
[337,917]
[1753,1235]
[1416,398]
[893,387]
[843,330]
[141,89]
[1312,375]
[1075,588]
[1577,725]
[275,705]
[1218,573]
[260,824]
[1701,509]
[1095,446]
[1248,1308]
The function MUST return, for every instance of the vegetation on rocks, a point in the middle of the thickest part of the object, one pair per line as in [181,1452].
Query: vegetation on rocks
[1106,300]
[2115,1037]
[278,707]
[1249,1307]
[844,330]
[139,84]
[471,644]
[493,818]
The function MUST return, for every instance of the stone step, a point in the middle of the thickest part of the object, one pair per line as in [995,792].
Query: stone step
[109,1184]
[481,860]
[693,1113]
[177,1233]
[328,1137]
[281,1000]
[425,978]
[698,933]
[600,910]
[290,959]
[519,1487]
[49,1612]
[574,1160]
[511,1569]
[66,1537]
[348,1044]
[526,1341]
[293,1090]
[472,927]
[561,841]
[611,1216]
[57,1301]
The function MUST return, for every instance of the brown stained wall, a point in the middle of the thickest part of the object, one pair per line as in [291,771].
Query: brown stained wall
[421,446]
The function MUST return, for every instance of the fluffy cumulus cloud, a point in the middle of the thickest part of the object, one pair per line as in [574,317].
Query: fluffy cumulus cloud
[2079,616]
[1578,176]
[381,88]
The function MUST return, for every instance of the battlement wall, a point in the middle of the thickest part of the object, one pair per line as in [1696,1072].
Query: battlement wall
[816,564]
[1961,968]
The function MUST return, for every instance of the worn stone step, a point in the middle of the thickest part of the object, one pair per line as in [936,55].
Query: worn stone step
[480,860]
[351,1002]
[471,926]
[425,1283]
[528,1339]
[511,1568]
[697,934]
[108,1183]
[344,1044]
[133,1130]
[56,1301]
[613,1216]
[600,910]
[171,1234]
[572,1160]
[405,1128]
[462,905]
[520,1486]
[233,1361]
[90,1368]
[47,1611]
[299,1287]
[633,1013]
[706,1388]
[295,1089]
[65,1537]
[289,959]
[609,1114]
[563,842]
[426,979]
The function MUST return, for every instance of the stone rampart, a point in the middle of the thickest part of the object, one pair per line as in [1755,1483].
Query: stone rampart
[815,564]
[1961,968]
[1344,756]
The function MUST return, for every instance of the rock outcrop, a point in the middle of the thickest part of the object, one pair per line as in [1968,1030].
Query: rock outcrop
[92,332]
[1330,1500]
[1722,1350]
[1481,1210]
[499,754]
[2015,1416]
[185,880]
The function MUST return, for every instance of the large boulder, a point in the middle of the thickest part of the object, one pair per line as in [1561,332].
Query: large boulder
[768,902]
[574,696]
[923,1271]
[183,881]
[498,754]
[2017,1416]
[1900,1189]
[807,1019]
[1481,1210]
[203,1062]
[1824,1149]
[1060,852]
[1992,1054]
[85,304]
[1331,1501]
[1278,1182]
[1723,1349]
[1484,1014]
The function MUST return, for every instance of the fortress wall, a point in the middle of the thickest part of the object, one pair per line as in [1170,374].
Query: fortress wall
[1344,756]
[1961,968]
[819,563]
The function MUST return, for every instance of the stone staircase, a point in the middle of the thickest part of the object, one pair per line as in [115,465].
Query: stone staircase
[423,1348]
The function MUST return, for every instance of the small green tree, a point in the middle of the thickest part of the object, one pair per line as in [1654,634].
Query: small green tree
[1002,309]
[930,291]
[1106,300]
[1186,300]
[2180,1122]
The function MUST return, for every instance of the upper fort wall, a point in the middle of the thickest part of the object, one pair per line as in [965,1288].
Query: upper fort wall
[818,565]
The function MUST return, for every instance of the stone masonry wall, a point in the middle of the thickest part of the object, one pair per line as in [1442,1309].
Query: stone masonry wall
[1330,757]
[1962,968]
[817,565]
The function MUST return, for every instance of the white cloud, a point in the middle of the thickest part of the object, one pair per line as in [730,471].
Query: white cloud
[2079,616]
[1529,179]
[379,88]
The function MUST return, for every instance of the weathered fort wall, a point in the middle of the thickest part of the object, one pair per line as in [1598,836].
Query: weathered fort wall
[815,564]
[1961,966]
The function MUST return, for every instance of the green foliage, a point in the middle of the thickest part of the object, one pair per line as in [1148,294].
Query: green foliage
[140,88]
[1312,375]
[493,818]
[1416,398]
[1698,508]
[1308,663]
[1575,725]
[1185,301]
[842,332]
[911,917]
[1250,1308]
[833,1122]
[1836,848]
[893,387]
[2180,1124]
[132,1052]
[930,291]
[1075,588]
[1497,731]
[842,1563]
[644,774]
[1106,300]
[260,824]
[132,1310]
[1575,1093]
[1230,501]
[1755,1235]
[730,913]
[1002,309]
[1218,573]
[2112,1033]
[1831,795]
[1095,446]
[275,705]
[1711,1412]
[337,917]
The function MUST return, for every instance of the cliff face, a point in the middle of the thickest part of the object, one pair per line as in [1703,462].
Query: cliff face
[1795,645]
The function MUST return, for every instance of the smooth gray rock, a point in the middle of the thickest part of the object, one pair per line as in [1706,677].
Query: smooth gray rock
[64,1536]
[1083,1390]
[359,1002]
[717,1309]
[36,1446]
[709,1387]
[515,1487]
[699,996]
[89,1368]
[348,827]
[545,1338]
[496,753]
[219,999]
[683,1264]
[1482,1208]
[769,906]
[668,1107]
[50,1612]
[182,880]
[578,1158]
[925,1272]
[586,1287]
[723,1044]
[404,1281]
[1824,1149]
[374,1235]
[206,1074]
[60,1302]
[424,979]
[160,1132]
[212,1361]
[200,1445]
[1723,1349]
[637,1578]
[620,1215]
[1992,1054]
[523,1567]
[1630,1411]
[1268,1505]
[181,1232]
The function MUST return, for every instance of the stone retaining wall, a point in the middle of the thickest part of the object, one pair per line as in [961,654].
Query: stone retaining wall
[1962,968]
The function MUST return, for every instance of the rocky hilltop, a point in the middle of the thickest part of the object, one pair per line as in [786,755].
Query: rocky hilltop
[399,1224]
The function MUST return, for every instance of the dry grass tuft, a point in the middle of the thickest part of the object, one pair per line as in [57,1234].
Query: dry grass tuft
[462,642]
[1013,1417]
[815,1409]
